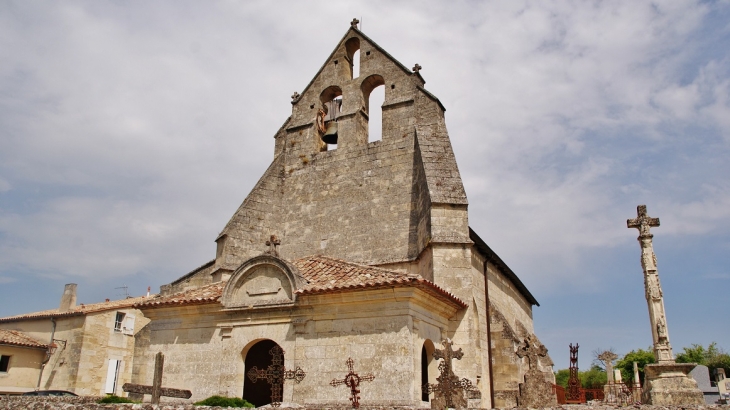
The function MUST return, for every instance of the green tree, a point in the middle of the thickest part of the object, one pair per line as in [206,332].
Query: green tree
[561,377]
[593,378]
[626,364]
[713,357]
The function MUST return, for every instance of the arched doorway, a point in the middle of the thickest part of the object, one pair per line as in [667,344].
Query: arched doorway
[259,393]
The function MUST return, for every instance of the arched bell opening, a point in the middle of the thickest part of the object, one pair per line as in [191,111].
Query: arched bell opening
[352,47]
[256,390]
[373,92]
[327,116]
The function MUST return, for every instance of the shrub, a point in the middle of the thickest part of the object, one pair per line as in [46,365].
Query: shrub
[115,399]
[224,402]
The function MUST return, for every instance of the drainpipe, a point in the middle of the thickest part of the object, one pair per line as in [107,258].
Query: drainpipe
[48,353]
[489,334]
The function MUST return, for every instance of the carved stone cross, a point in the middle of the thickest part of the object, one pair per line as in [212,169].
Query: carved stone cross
[532,350]
[275,374]
[642,222]
[354,23]
[652,288]
[295,97]
[449,392]
[417,68]
[156,390]
[352,380]
[607,358]
[273,244]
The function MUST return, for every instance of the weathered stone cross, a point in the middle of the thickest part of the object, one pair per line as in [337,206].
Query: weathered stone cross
[449,391]
[273,244]
[295,97]
[354,23]
[607,358]
[352,380]
[652,288]
[156,390]
[275,374]
[417,68]
[528,348]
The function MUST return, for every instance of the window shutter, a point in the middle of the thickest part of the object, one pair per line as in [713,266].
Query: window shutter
[111,376]
[128,327]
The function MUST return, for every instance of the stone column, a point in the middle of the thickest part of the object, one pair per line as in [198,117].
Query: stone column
[665,382]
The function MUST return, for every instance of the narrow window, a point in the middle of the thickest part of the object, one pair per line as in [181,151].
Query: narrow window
[118,322]
[331,110]
[356,64]
[4,363]
[424,374]
[112,373]
[375,121]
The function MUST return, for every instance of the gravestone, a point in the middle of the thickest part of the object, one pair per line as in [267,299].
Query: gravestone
[156,390]
[449,392]
[537,390]
[701,374]
[665,382]
[352,380]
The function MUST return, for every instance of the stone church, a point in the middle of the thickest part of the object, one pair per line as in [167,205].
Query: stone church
[349,249]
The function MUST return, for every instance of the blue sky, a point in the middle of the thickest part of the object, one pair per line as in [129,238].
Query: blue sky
[131,131]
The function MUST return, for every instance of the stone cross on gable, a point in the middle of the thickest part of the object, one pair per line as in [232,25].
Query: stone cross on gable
[352,380]
[295,97]
[273,244]
[607,358]
[275,374]
[417,68]
[532,350]
[156,390]
[354,23]
[642,222]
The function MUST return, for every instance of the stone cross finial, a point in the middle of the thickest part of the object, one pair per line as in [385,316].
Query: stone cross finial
[354,23]
[273,244]
[530,349]
[642,222]
[295,97]
[417,68]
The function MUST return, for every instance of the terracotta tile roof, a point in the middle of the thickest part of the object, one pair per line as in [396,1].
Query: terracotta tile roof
[324,275]
[15,338]
[206,294]
[78,310]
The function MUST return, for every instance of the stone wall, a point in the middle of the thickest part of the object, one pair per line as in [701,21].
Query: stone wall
[382,330]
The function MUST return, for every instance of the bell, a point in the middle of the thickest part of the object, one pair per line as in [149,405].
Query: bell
[330,136]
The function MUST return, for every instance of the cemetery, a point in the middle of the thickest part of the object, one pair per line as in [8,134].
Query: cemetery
[402,306]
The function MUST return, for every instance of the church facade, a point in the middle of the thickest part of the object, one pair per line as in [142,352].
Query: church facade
[348,249]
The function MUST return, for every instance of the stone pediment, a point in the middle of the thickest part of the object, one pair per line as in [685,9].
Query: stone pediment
[263,281]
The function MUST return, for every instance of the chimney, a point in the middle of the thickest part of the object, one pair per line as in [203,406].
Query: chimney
[68,300]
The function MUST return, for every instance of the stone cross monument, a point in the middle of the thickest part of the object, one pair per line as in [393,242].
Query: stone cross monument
[654,296]
[665,382]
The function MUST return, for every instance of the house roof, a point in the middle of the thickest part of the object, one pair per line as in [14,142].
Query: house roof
[78,310]
[323,275]
[506,271]
[16,338]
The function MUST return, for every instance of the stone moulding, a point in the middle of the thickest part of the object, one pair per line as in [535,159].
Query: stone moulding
[261,282]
